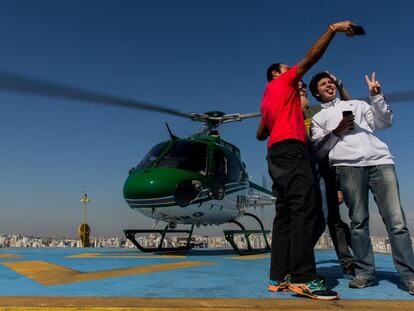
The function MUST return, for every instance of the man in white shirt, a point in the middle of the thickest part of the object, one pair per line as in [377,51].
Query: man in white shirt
[344,130]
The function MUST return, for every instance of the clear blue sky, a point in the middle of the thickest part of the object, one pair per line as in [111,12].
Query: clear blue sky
[190,55]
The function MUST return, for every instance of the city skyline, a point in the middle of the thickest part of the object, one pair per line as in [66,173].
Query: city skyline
[380,244]
[187,55]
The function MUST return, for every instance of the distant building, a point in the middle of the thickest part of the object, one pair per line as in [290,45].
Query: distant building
[380,244]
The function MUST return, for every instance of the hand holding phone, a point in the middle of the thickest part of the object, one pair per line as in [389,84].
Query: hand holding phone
[346,124]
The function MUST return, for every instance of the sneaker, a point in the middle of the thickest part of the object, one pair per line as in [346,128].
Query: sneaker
[410,286]
[315,289]
[277,286]
[361,282]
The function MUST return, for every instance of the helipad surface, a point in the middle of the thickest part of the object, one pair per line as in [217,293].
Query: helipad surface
[186,281]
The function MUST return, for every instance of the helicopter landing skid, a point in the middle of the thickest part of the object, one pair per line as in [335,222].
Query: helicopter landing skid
[130,235]
[249,250]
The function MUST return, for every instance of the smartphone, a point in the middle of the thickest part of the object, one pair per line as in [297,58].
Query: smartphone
[346,113]
[358,30]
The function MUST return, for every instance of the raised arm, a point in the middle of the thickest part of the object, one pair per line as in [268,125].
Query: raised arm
[380,115]
[320,46]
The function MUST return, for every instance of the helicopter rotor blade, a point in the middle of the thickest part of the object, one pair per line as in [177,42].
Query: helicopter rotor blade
[250,115]
[200,117]
[395,97]
[400,96]
[223,118]
[238,116]
[19,84]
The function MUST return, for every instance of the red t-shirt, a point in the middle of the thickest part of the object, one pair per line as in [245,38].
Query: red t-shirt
[281,108]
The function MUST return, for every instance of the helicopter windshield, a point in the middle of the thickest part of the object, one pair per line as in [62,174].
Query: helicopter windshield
[152,155]
[186,155]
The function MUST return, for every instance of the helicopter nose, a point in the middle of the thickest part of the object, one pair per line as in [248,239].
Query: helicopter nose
[161,187]
[145,185]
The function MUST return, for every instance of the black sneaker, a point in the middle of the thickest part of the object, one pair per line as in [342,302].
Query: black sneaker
[315,289]
[361,282]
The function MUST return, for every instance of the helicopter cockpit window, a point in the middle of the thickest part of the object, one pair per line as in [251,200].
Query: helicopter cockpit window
[186,155]
[152,155]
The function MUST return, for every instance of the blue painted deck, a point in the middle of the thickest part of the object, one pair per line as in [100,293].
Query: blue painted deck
[229,277]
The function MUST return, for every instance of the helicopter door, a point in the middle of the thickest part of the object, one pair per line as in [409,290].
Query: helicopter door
[220,173]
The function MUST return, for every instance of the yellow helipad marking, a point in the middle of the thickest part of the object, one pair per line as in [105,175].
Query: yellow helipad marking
[50,274]
[10,256]
[103,255]
[251,257]
[196,304]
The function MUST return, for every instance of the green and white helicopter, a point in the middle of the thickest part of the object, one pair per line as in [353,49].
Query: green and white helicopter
[196,180]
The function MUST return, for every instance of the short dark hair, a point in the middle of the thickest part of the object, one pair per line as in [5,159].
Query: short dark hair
[313,85]
[272,67]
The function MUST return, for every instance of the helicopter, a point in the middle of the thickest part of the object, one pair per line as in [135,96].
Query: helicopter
[197,180]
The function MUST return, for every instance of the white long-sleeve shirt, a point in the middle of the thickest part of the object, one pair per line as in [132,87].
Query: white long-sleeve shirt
[358,147]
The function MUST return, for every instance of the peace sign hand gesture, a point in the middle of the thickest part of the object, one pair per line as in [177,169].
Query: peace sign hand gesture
[373,85]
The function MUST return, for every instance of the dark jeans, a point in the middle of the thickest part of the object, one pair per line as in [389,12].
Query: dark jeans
[296,206]
[339,231]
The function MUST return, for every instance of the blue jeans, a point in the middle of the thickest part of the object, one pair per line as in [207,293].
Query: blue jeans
[382,181]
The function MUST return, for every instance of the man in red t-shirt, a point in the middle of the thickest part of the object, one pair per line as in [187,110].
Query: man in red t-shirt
[292,259]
